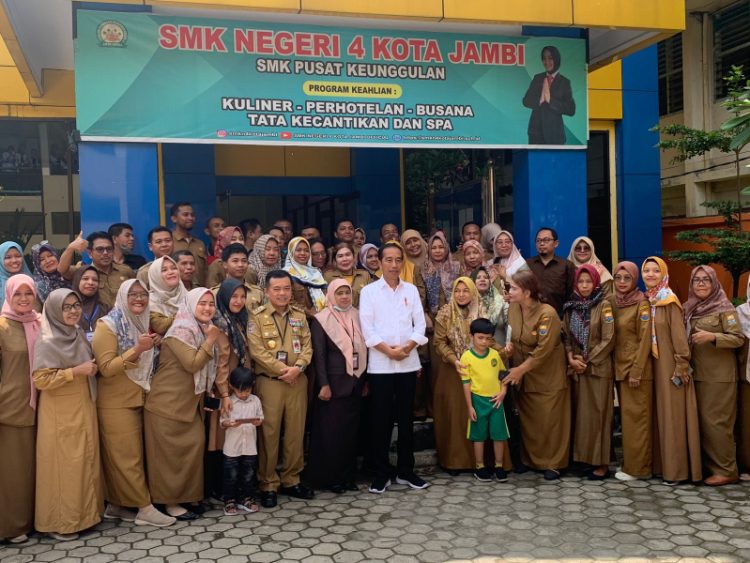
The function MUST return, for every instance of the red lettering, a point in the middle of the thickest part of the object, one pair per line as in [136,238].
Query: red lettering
[243,40]
[490,53]
[400,49]
[191,38]
[432,53]
[509,54]
[521,54]
[305,46]
[380,48]
[355,48]
[284,43]
[214,39]
[167,36]
[264,42]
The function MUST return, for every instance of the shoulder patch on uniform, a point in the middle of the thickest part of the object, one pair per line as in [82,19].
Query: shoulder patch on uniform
[608,315]
[731,319]
[543,327]
[259,309]
[297,308]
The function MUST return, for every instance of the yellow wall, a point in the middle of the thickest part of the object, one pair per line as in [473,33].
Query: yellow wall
[605,92]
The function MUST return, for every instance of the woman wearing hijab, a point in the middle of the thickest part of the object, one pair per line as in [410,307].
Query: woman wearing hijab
[582,252]
[173,419]
[124,352]
[743,424]
[539,373]
[507,258]
[633,373]
[492,305]
[19,329]
[86,284]
[714,333]
[11,263]
[46,277]
[227,236]
[167,293]
[340,362]
[473,257]
[589,335]
[231,318]
[345,267]
[265,258]
[308,283]
[452,338]
[679,455]
[440,271]
[415,247]
[489,233]
[69,495]
[549,97]
[368,259]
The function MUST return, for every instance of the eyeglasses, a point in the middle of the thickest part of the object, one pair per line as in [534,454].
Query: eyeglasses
[322,253]
[701,281]
[582,248]
[72,307]
[545,240]
[138,296]
[623,279]
[104,249]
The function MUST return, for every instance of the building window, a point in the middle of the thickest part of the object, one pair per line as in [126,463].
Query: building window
[670,75]
[731,42]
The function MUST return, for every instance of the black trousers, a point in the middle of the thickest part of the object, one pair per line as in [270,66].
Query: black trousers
[238,477]
[392,398]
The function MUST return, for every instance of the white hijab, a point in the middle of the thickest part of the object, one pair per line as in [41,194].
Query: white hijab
[162,299]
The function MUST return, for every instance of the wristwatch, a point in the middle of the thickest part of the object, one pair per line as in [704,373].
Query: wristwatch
[301,366]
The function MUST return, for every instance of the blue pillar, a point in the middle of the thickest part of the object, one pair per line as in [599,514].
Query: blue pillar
[119,183]
[376,175]
[638,173]
[549,190]
[190,175]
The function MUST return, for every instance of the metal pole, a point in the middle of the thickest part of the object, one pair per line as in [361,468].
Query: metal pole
[490,218]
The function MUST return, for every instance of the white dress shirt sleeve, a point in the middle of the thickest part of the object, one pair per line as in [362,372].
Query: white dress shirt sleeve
[367,316]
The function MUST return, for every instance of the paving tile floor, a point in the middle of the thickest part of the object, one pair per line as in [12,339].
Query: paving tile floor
[456,519]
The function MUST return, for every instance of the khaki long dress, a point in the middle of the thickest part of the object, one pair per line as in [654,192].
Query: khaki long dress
[69,495]
[449,410]
[544,396]
[677,454]
[17,433]
[715,375]
[743,413]
[594,388]
[633,360]
[173,424]
[119,404]
[360,279]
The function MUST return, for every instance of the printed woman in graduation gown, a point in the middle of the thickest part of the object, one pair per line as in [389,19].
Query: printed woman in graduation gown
[549,97]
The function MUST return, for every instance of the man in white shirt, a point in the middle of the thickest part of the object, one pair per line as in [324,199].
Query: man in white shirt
[393,325]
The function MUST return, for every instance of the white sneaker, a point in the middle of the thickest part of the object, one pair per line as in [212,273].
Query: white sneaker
[622,476]
[19,539]
[149,516]
[115,512]
[63,537]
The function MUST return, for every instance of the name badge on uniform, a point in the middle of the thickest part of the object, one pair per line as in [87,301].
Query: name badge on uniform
[296,345]
[282,356]
[355,360]
[89,335]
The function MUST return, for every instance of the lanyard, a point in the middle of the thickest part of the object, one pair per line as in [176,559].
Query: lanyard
[92,317]
[282,334]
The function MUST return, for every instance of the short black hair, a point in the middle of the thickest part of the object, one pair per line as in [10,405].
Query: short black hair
[344,221]
[242,378]
[248,225]
[116,229]
[390,244]
[277,275]
[180,253]
[463,227]
[97,235]
[384,225]
[234,248]
[159,229]
[208,221]
[176,207]
[481,326]
[550,229]
[309,227]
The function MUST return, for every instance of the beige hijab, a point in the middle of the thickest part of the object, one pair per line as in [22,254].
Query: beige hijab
[344,330]
[162,299]
[419,260]
[604,274]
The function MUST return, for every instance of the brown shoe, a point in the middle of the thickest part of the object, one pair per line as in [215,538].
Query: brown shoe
[719,480]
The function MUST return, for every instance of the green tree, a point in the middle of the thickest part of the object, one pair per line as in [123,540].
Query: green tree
[729,245]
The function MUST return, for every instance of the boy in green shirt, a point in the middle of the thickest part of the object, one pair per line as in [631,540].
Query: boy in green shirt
[484,398]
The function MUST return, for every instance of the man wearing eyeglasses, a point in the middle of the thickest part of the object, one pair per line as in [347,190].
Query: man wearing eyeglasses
[101,248]
[555,273]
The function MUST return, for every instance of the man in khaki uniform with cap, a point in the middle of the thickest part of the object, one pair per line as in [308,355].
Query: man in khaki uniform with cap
[281,347]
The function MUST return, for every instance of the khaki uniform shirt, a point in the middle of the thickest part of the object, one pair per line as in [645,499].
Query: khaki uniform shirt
[109,283]
[198,249]
[633,337]
[601,340]
[270,332]
[716,362]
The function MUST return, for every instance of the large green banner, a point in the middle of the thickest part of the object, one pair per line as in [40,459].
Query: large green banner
[144,77]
